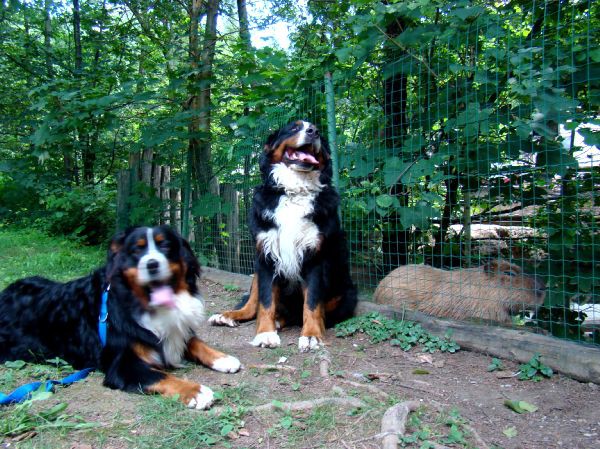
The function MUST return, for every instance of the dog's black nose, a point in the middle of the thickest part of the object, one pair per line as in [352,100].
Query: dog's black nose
[152,266]
[312,131]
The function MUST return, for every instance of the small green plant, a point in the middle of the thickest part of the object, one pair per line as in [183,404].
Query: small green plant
[405,334]
[496,365]
[534,369]
[168,416]
[21,418]
[231,287]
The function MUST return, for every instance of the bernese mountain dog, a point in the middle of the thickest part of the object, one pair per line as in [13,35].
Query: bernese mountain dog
[153,307]
[301,265]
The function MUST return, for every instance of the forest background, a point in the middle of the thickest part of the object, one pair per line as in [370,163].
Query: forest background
[116,113]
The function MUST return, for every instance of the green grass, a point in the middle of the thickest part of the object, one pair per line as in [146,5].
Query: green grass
[174,426]
[29,252]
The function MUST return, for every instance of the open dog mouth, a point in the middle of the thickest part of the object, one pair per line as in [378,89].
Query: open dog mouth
[161,295]
[302,156]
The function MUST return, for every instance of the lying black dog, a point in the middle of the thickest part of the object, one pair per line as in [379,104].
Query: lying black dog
[153,310]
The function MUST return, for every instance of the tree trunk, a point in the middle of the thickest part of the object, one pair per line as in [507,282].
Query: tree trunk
[199,148]
[48,39]
[80,138]
[77,38]
[396,241]
[123,192]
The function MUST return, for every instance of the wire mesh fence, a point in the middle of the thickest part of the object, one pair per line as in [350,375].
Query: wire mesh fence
[468,167]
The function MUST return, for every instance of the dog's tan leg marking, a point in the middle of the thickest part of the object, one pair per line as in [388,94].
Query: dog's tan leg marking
[200,352]
[147,354]
[266,327]
[193,395]
[313,325]
[332,304]
[232,318]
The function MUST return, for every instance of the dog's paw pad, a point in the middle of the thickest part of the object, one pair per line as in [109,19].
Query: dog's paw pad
[266,340]
[306,344]
[221,320]
[227,364]
[203,400]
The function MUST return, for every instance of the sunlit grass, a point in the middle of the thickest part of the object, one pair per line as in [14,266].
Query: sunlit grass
[28,252]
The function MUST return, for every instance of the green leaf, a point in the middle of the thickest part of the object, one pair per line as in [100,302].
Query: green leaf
[495,365]
[286,422]
[277,404]
[467,13]
[520,406]
[419,216]
[16,364]
[208,205]
[226,429]
[393,169]
[384,201]
[510,432]
[591,137]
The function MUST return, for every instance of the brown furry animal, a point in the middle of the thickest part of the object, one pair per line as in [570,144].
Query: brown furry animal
[490,292]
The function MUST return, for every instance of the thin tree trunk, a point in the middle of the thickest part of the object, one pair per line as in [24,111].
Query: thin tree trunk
[48,39]
[199,148]
[80,138]
[77,38]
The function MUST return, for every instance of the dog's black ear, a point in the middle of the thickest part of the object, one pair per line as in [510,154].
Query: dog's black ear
[327,170]
[271,140]
[116,243]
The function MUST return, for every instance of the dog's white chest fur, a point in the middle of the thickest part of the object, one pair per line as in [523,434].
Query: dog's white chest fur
[294,234]
[175,326]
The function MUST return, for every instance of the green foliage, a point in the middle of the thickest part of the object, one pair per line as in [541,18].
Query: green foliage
[405,334]
[22,418]
[85,214]
[174,426]
[496,365]
[534,370]
[520,406]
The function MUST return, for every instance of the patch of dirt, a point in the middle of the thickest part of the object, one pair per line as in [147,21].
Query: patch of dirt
[456,391]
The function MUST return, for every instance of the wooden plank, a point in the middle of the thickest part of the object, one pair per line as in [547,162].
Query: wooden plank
[577,360]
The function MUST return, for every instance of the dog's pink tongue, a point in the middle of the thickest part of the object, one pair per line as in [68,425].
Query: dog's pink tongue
[305,157]
[162,297]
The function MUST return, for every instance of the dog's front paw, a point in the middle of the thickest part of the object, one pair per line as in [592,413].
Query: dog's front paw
[266,340]
[219,319]
[203,400]
[306,344]
[227,364]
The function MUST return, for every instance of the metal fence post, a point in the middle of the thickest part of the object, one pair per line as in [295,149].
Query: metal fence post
[331,132]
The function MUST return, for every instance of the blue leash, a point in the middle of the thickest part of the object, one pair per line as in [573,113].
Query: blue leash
[25,391]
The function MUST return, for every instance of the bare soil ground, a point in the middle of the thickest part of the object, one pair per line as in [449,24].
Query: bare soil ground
[462,404]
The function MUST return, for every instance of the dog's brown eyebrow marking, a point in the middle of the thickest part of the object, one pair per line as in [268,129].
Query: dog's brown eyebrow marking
[159,238]
[141,242]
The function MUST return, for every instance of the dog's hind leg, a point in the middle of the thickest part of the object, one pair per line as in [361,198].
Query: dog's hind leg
[247,311]
[199,351]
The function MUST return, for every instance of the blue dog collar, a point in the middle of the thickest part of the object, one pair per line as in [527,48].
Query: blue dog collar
[103,318]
